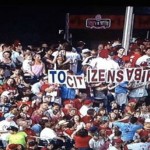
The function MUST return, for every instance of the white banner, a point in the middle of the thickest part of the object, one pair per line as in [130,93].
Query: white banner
[57,76]
[117,76]
[75,81]
[139,146]
[61,77]
[98,75]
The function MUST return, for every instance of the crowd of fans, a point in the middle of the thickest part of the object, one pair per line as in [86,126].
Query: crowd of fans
[36,114]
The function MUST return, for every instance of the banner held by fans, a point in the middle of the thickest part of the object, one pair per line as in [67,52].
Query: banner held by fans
[61,77]
[117,76]
[98,75]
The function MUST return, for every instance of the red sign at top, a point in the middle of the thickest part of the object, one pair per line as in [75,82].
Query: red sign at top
[106,22]
[98,23]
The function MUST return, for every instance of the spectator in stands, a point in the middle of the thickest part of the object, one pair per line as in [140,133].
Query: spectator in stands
[145,59]
[16,136]
[81,139]
[4,124]
[128,129]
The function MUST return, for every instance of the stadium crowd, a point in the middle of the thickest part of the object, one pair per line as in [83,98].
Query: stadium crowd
[36,114]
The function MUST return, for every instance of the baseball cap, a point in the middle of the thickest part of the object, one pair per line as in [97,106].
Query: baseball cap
[93,129]
[86,50]
[147,120]
[63,122]
[13,128]
[13,146]
[5,93]
[116,43]
[9,115]
[87,102]
[81,43]
[96,134]
[118,140]
[132,100]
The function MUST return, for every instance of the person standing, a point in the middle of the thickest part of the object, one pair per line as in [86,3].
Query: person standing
[128,129]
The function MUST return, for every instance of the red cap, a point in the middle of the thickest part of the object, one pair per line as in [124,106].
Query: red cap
[68,102]
[141,120]
[118,140]
[133,100]
[13,146]
[87,102]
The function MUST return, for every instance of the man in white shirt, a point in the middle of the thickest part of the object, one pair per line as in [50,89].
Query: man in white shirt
[111,63]
[74,58]
[49,134]
[26,66]
[96,141]
[99,63]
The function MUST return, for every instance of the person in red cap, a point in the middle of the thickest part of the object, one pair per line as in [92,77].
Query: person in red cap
[87,102]
[117,144]
[105,51]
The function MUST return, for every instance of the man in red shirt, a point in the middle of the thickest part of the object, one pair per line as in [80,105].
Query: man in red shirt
[135,56]
[82,139]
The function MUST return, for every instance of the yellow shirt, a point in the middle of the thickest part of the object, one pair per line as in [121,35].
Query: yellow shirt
[18,138]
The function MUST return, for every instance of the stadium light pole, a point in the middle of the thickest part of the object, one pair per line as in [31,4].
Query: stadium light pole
[128,26]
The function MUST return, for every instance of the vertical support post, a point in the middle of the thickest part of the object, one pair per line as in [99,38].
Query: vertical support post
[147,35]
[131,34]
[127,28]
[67,28]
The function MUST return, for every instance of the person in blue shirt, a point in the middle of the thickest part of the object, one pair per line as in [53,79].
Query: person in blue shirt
[67,93]
[128,129]
[121,92]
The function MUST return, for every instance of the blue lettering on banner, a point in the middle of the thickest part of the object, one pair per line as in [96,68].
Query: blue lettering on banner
[53,74]
[61,74]
[61,77]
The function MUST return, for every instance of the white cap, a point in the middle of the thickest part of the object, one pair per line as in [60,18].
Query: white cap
[45,78]
[147,120]
[116,43]
[5,93]
[44,45]
[63,122]
[86,50]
